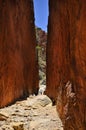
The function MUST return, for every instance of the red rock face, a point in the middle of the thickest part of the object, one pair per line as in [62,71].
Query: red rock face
[66,62]
[18,72]
[57,49]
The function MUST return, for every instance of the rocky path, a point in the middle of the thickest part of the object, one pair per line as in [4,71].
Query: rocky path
[35,113]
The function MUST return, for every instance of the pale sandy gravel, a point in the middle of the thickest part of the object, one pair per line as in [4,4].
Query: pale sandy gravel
[31,116]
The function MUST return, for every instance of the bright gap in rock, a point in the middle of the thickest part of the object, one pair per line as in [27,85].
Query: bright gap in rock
[41,13]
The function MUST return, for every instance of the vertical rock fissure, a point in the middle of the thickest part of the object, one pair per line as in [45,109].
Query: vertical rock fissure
[41,37]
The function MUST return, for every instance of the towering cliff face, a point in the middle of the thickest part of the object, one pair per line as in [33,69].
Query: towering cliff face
[57,48]
[66,62]
[18,72]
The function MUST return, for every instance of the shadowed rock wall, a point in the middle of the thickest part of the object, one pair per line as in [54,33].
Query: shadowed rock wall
[66,61]
[18,67]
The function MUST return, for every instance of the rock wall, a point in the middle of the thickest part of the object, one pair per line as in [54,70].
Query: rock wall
[18,67]
[66,62]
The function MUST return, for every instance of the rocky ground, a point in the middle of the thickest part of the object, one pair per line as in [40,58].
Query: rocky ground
[34,113]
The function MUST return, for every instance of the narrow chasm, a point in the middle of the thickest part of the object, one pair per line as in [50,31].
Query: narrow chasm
[41,38]
[35,112]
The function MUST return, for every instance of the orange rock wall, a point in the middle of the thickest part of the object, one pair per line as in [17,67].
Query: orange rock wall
[18,67]
[66,61]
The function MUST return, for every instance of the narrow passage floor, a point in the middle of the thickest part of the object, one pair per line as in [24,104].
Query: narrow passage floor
[34,113]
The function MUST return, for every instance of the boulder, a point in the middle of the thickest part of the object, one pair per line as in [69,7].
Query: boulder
[39,101]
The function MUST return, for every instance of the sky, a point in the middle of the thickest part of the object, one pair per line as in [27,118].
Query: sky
[41,13]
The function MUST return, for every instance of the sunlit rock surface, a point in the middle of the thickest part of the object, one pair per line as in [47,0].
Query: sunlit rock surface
[41,38]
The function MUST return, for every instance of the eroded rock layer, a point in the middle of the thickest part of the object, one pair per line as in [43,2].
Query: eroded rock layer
[66,61]
[18,72]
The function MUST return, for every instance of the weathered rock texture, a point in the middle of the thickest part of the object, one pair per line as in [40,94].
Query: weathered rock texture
[18,73]
[66,61]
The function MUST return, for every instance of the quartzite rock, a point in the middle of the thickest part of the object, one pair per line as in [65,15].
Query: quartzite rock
[18,67]
[66,61]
